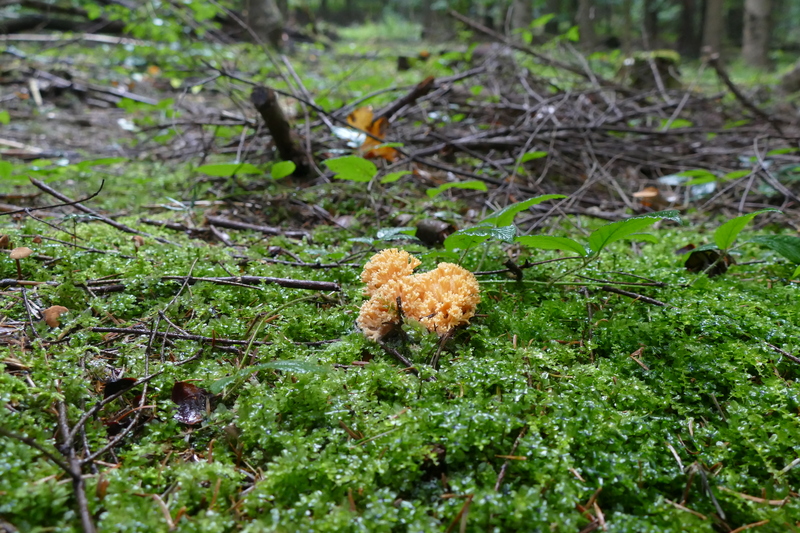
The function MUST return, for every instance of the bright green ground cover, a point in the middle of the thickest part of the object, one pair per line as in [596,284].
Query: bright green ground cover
[332,446]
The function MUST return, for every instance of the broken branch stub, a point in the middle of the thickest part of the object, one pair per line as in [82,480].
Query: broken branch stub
[266,103]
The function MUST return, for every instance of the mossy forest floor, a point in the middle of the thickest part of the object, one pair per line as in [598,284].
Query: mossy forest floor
[563,406]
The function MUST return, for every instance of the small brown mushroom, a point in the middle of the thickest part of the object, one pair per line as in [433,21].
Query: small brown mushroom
[20,253]
[52,313]
[5,242]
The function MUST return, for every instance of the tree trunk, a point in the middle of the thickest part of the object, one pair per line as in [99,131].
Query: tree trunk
[554,7]
[264,18]
[585,19]
[520,14]
[649,24]
[755,45]
[688,42]
[627,26]
[714,21]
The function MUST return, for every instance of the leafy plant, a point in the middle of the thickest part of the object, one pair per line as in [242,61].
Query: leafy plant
[601,237]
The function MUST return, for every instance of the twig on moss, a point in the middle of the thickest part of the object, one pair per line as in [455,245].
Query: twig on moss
[504,468]
[67,202]
[636,296]
[113,223]
[784,353]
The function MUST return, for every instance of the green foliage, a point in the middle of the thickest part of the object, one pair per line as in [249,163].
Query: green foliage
[506,215]
[282,169]
[474,185]
[727,233]
[352,168]
[226,170]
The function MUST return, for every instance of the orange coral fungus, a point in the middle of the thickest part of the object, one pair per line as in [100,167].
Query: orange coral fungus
[388,265]
[441,299]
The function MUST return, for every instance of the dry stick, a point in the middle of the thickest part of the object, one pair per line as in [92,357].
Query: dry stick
[267,230]
[200,338]
[257,280]
[71,202]
[33,444]
[713,60]
[78,205]
[784,352]
[400,357]
[420,90]
[636,296]
[266,103]
[504,468]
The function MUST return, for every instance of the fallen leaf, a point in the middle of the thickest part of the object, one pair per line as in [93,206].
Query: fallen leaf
[191,401]
[701,261]
[52,313]
[114,386]
[362,119]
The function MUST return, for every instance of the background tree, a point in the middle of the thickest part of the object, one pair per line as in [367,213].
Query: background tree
[712,25]
[755,46]
[266,21]
[585,19]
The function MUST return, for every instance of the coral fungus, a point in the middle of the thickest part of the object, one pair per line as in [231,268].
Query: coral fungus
[441,299]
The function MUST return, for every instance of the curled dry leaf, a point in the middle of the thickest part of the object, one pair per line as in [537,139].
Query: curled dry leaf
[20,253]
[361,118]
[191,401]
[52,313]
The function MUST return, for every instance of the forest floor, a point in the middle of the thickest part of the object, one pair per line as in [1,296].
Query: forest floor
[180,351]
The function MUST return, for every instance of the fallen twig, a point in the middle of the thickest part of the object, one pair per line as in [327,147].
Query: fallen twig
[122,227]
[636,296]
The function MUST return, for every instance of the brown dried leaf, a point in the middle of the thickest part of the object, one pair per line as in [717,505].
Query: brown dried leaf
[191,401]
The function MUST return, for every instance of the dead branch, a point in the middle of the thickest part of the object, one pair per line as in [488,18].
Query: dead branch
[266,103]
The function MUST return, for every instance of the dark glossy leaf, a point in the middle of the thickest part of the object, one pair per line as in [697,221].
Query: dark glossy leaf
[786,245]
[467,238]
[191,401]
[702,259]
[112,387]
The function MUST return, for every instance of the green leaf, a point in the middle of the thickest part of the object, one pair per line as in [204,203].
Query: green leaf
[727,233]
[736,174]
[573,34]
[226,170]
[546,242]
[283,169]
[394,176]
[779,151]
[5,118]
[796,273]
[786,245]
[623,229]
[677,123]
[6,169]
[530,156]
[541,21]
[83,165]
[472,184]
[505,216]
[469,237]
[709,178]
[352,168]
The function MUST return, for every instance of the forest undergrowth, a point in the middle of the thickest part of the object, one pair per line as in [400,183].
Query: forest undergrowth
[179,341]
